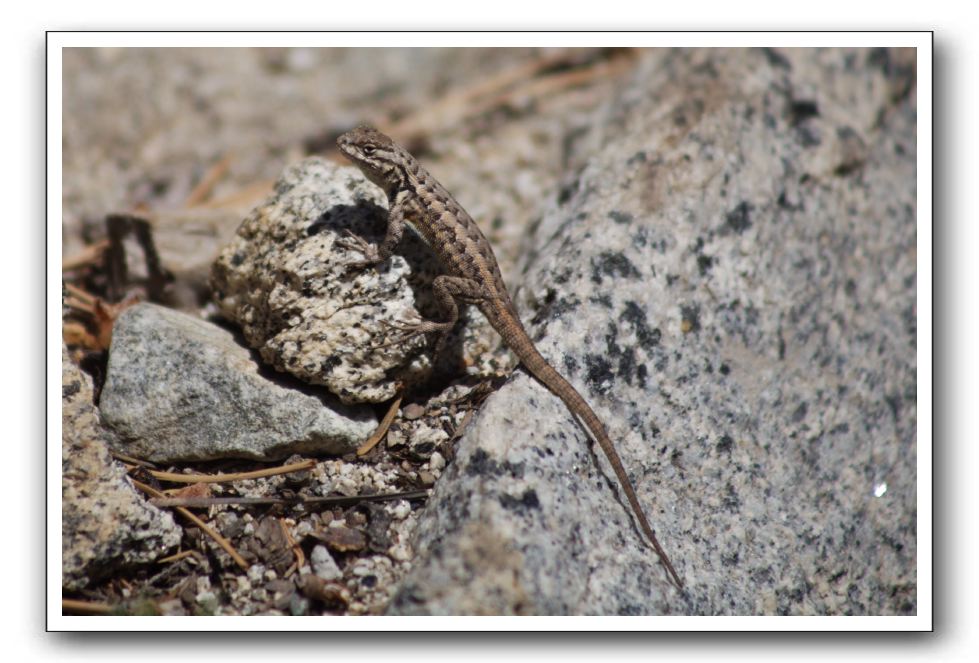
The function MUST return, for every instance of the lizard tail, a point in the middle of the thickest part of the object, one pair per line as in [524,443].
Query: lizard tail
[534,362]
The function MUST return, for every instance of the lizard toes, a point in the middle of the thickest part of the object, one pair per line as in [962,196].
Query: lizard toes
[352,242]
[403,331]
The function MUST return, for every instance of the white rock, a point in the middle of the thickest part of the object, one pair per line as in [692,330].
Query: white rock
[323,563]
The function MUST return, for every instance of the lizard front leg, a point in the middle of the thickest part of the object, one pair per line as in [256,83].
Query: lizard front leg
[374,255]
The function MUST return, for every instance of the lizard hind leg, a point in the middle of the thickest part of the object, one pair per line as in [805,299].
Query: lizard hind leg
[448,291]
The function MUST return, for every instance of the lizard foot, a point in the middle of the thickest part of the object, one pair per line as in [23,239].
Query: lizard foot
[405,331]
[352,242]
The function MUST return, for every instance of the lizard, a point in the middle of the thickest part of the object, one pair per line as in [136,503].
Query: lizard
[472,277]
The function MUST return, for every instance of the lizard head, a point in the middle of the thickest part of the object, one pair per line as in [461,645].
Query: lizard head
[373,152]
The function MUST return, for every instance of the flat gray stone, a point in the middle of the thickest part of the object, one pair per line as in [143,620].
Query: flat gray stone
[181,388]
[730,282]
[106,524]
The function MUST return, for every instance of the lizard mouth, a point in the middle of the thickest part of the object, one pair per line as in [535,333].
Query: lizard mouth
[346,143]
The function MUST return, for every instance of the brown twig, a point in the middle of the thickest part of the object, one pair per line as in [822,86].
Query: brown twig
[101,317]
[86,607]
[296,548]
[382,428]
[88,255]
[547,87]
[203,190]
[245,197]
[204,527]
[478,98]
[460,429]
[77,298]
[177,556]
[75,334]
[131,460]
[237,476]
[118,227]
[534,79]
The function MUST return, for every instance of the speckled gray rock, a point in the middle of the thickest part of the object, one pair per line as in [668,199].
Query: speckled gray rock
[731,284]
[105,523]
[285,280]
[181,388]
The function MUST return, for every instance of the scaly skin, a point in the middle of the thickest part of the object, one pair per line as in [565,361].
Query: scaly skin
[472,277]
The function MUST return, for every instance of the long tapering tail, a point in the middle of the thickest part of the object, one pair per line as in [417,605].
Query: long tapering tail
[545,373]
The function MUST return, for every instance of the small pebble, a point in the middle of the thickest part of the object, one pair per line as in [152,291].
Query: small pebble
[399,552]
[437,461]
[395,438]
[207,600]
[298,605]
[401,509]
[343,539]
[324,566]
[413,411]
[255,573]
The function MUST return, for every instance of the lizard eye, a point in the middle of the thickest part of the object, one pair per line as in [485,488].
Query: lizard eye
[369,149]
